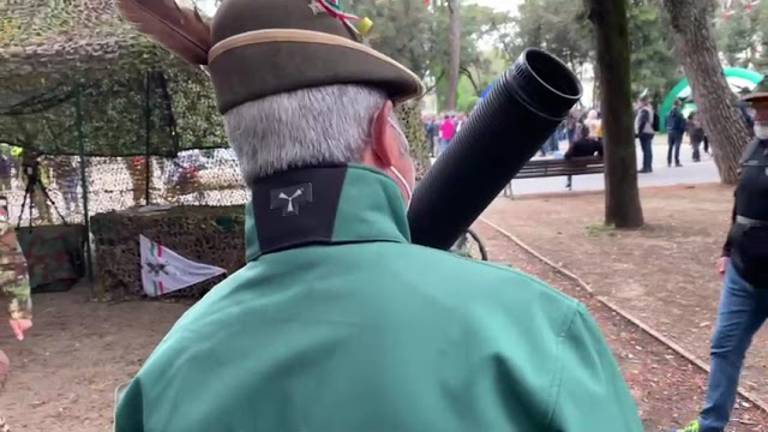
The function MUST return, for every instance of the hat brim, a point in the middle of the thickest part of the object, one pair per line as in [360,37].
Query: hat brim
[755,97]
[261,63]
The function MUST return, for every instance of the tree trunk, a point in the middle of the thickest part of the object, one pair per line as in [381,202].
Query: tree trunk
[691,25]
[622,198]
[454,41]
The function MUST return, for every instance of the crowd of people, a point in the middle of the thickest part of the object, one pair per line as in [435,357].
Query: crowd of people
[647,126]
[441,129]
[583,132]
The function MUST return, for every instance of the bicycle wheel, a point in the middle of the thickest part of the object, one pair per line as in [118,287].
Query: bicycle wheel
[476,246]
[470,246]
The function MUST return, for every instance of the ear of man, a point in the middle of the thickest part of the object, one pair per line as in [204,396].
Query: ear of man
[386,146]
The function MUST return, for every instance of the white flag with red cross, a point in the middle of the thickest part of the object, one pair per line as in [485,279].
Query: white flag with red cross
[164,271]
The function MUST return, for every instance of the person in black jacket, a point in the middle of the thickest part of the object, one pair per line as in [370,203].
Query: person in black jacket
[676,126]
[744,264]
[696,135]
[583,148]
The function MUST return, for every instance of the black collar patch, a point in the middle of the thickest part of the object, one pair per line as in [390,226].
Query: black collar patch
[297,207]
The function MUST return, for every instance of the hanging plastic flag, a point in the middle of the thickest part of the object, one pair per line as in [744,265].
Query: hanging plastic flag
[164,271]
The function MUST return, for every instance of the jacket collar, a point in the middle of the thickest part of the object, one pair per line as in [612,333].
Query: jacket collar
[323,205]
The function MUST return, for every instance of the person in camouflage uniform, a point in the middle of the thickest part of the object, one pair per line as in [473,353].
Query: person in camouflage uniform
[14,280]
[14,285]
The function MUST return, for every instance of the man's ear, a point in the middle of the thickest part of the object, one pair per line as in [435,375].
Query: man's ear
[385,145]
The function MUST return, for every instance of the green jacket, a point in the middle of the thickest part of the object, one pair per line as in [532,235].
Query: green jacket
[339,324]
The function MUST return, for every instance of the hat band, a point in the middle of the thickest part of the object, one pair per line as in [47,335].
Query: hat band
[757,96]
[300,36]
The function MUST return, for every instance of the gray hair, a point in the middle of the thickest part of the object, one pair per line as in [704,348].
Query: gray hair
[307,127]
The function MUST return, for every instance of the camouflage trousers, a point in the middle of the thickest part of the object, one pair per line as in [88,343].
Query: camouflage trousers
[18,293]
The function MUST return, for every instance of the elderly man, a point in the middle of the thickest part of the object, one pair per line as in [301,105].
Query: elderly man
[338,323]
[744,267]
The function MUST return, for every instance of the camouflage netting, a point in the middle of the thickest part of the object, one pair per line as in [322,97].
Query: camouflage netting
[55,54]
[409,115]
[58,55]
[193,182]
[213,235]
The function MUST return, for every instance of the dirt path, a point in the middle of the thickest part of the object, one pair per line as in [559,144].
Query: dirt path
[662,274]
[667,387]
[64,374]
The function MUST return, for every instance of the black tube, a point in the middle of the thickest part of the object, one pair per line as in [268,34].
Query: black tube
[507,128]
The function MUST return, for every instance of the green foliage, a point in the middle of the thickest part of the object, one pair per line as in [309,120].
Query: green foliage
[562,28]
[762,34]
[653,64]
[417,36]
[405,30]
[558,26]
[51,51]
[600,230]
[742,37]
[468,96]
[738,37]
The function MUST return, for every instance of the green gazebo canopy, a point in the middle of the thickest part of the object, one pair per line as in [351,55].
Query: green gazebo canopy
[134,98]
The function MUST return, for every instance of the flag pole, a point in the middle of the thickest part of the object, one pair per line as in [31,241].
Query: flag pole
[84,184]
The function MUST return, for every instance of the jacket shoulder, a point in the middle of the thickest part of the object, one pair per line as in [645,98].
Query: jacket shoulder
[491,285]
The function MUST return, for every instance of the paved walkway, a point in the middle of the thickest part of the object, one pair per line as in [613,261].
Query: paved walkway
[690,173]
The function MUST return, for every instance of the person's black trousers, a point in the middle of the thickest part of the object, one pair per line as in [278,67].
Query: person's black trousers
[674,140]
[646,144]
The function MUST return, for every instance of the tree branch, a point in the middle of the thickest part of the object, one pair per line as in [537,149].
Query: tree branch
[437,80]
[467,73]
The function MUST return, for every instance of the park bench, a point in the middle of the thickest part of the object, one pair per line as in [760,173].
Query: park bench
[557,168]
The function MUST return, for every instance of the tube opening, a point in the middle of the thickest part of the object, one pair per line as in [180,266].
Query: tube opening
[553,73]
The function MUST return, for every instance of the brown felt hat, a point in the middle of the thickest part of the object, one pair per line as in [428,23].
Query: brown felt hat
[266,47]
[759,94]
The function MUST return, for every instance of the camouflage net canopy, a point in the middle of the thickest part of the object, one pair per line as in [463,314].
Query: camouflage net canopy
[194,177]
[134,97]
[196,210]
[75,79]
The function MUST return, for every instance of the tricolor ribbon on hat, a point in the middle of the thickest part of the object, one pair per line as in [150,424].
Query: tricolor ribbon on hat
[333,7]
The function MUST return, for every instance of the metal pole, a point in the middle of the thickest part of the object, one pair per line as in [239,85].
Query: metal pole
[84,186]
[147,130]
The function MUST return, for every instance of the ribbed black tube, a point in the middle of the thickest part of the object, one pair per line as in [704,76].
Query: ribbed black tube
[499,137]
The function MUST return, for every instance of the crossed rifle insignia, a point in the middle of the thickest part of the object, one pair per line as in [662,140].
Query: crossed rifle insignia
[157,268]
